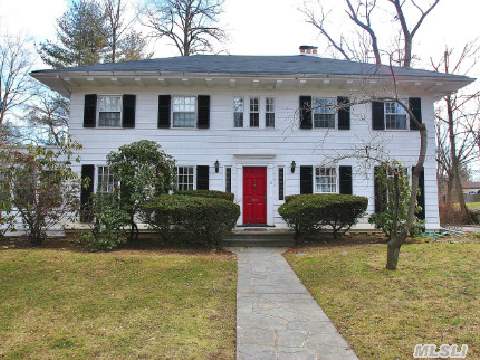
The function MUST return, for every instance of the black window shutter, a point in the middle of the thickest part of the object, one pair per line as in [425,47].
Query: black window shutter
[380,196]
[203,111]
[306,179]
[378,115]
[421,196]
[345,175]
[129,111]
[164,106]
[416,109]
[343,113]
[90,111]
[203,177]
[305,112]
[87,172]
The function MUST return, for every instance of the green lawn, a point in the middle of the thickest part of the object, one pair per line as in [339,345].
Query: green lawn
[474,205]
[433,297]
[59,304]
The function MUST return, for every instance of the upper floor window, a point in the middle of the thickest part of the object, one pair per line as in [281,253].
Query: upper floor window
[238,111]
[184,111]
[270,112]
[324,112]
[185,178]
[105,180]
[395,116]
[325,179]
[254,112]
[109,110]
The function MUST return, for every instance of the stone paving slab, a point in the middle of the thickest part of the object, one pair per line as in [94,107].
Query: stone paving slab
[277,318]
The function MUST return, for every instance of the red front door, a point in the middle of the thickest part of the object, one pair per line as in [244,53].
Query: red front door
[254,196]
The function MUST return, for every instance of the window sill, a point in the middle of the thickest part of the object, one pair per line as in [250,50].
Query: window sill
[253,129]
[322,129]
[107,127]
[399,130]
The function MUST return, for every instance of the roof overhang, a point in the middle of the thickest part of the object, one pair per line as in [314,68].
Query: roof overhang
[65,82]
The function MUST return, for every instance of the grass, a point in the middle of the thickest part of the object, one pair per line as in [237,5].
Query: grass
[475,205]
[433,297]
[58,304]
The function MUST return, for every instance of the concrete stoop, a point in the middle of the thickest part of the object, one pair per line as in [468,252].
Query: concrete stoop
[259,237]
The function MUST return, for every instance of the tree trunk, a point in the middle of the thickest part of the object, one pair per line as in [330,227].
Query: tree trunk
[457,182]
[449,191]
[393,252]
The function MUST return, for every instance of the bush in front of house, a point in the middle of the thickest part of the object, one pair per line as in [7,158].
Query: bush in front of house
[110,227]
[212,194]
[143,170]
[194,220]
[310,213]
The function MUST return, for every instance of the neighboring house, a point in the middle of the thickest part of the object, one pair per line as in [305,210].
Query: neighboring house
[262,127]
[471,187]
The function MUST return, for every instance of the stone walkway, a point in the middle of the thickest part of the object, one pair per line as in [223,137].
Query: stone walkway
[277,319]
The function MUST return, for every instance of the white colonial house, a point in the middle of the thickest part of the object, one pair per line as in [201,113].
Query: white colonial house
[262,127]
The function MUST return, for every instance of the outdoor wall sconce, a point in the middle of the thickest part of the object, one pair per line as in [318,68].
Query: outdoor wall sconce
[217,166]
[293,165]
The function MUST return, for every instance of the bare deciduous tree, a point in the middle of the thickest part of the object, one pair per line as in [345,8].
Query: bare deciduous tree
[114,10]
[366,44]
[51,111]
[124,42]
[15,83]
[191,25]
[408,34]
[457,120]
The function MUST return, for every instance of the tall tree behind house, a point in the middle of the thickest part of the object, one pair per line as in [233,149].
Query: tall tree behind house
[457,123]
[190,25]
[81,36]
[124,42]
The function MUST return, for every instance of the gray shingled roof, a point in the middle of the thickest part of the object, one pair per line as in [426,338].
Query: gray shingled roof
[256,66]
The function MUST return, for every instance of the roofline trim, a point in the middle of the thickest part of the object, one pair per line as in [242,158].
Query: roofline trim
[61,74]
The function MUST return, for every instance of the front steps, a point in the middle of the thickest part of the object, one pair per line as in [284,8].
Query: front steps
[259,237]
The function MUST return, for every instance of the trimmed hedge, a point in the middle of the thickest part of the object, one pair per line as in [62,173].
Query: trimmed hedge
[309,213]
[211,194]
[198,220]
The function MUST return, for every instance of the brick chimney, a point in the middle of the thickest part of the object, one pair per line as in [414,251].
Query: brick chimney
[308,50]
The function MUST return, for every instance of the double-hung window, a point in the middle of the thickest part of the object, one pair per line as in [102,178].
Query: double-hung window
[324,112]
[184,111]
[254,111]
[185,178]
[105,180]
[238,111]
[270,112]
[109,110]
[395,116]
[325,179]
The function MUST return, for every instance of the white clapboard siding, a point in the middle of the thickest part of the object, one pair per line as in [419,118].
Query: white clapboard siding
[286,142]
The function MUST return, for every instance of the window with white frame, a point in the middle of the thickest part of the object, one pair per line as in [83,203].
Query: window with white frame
[184,111]
[395,116]
[109,110]
[270,112]
[185,178]
[228,179]
[105,180]
[324,112]
[254,112]
[325,179]
[238,111]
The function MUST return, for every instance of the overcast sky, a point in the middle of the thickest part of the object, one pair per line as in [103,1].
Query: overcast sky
[272,27]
